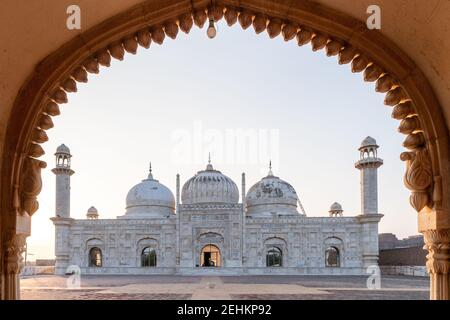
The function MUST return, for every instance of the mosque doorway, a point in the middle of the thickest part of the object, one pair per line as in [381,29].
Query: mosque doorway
[210,256]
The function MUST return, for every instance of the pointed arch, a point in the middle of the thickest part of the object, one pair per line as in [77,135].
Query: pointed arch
[368,51]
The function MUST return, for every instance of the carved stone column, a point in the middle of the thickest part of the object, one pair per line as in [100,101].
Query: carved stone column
[426,198]
[2,275]
[18,228]
[437,242]
[14,264]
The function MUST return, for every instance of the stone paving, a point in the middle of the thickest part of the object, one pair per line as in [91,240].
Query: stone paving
[49,287]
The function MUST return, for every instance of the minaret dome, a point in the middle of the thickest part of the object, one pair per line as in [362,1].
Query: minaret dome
[92,213]
[336,210]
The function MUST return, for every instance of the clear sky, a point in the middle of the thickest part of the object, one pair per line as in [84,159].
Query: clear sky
[243,97]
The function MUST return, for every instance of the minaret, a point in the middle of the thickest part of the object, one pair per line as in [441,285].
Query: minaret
[178,256]
[243,223]
[62,220]
[368,165]
[178,193]
[243,191]
[63,173]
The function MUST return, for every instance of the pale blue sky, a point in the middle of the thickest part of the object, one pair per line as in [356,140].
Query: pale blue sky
[315,111]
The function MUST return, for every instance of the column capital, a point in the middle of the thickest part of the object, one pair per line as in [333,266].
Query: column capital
[15,247]
[437,242]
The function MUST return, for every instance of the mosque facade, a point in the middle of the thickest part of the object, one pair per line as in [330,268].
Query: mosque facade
[205,229]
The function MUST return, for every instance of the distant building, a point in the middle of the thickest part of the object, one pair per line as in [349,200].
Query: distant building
[401,252]
[44,262]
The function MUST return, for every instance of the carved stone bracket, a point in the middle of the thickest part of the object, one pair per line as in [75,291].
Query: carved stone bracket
[437,242]
[418,177]
[31,185]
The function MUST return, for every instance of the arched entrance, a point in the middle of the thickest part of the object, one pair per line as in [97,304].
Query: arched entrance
[95,257]
[148,257]
[274,257]
[332,257]
[210,256]
[407,91]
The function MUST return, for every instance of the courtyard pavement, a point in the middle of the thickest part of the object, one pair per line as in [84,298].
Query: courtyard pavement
[155,287]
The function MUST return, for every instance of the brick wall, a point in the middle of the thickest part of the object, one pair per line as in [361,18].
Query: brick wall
[413,256]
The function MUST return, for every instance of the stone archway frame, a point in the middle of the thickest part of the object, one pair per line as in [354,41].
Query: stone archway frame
[279,242]
[89,244]
[144,242]
[407,91]
[337,243]
[212,237]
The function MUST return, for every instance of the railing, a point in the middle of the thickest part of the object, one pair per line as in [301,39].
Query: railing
[35,270]
[415,271]
[224,270]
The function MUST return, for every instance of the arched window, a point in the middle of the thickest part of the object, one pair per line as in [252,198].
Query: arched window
[332,257]
[210,256]
[274,257]
[148,257]
[95,257]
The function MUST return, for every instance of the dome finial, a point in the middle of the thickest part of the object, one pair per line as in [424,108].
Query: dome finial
[150,175]
[209,166]
[270,169]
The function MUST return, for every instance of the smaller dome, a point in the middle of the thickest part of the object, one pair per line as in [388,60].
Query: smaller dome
[368,142]
[92,213]
[149,199]
[336,207]
[63,149]
[92,210]
[336,210]
[271,195]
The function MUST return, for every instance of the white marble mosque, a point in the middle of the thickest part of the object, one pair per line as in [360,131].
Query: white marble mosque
[205,229]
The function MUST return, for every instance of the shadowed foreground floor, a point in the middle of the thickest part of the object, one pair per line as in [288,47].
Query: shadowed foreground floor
[49,287]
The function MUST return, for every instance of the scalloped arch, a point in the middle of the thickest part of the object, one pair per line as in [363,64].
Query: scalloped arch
[368,51]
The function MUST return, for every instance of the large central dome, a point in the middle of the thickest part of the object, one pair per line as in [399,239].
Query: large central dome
[209,186]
